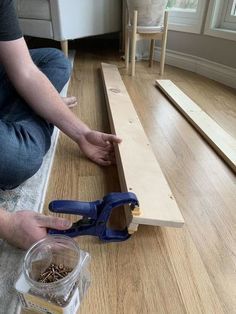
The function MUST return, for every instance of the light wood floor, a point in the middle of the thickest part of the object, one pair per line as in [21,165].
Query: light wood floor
[158,270]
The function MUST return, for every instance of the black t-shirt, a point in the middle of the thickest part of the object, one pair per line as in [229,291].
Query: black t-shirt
[9,26]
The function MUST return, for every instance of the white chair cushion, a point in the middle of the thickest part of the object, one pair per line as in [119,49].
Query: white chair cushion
[34,9]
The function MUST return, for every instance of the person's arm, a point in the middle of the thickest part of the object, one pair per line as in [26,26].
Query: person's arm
[36,89]
[40,94]
[24,228]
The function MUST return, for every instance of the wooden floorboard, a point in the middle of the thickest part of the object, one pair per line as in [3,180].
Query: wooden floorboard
[159,270]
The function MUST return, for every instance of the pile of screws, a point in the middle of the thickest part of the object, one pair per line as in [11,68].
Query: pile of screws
[54,273]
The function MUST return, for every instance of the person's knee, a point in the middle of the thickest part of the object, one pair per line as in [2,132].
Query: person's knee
[54,64]
[61,61]
[16,168]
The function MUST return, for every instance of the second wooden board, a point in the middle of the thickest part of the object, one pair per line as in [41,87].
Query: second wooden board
[138,167]
[223,143]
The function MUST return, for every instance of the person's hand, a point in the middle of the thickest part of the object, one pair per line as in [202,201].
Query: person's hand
[27,227]
[98,147]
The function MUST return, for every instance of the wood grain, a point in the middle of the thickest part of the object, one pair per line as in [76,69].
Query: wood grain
[221,141]
[139,170]
[159,270]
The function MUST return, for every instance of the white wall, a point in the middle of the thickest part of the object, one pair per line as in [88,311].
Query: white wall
[215,49]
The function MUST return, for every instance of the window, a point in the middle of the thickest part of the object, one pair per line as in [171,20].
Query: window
[233,12]
[221,19]
[229,15]
[186,15]
[182,5]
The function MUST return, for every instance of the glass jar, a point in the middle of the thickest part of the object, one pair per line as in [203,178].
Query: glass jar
[66,292]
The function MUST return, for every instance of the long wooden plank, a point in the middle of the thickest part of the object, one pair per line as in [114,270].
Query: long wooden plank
[223,143]
[139,170]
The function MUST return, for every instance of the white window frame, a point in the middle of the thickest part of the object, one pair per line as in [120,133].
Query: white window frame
[187,20]
[219,20]
[228,21]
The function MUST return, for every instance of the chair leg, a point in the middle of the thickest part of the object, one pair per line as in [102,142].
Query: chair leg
[163,45]
[127,39]
[152,45]
[64,47]
[134,39]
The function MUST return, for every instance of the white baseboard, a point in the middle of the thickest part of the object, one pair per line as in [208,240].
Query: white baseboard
[216,71]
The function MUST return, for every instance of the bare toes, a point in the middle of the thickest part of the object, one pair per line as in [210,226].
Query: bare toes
[70,101]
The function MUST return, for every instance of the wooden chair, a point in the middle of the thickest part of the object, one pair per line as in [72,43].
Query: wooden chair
[134,33]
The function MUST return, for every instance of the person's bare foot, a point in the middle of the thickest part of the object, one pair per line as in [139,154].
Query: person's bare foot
[70,101]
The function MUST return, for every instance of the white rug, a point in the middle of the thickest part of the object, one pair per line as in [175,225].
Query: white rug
[29,195]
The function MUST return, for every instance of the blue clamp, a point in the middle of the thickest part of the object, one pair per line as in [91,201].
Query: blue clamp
[95,216]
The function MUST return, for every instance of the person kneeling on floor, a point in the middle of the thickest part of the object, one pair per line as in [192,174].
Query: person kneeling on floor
[30,105]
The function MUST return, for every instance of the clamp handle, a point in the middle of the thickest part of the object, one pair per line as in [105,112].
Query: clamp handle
[88,209]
